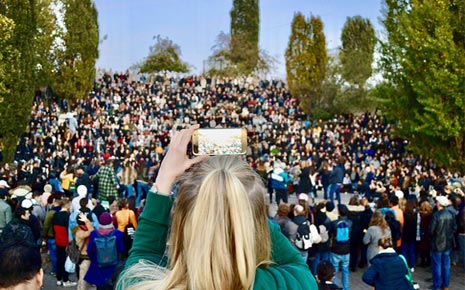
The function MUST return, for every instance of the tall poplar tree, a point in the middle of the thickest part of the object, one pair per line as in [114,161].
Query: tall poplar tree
[306,62]
[245,25]
[77,56]
[423,59]
[19,58]
[356,54]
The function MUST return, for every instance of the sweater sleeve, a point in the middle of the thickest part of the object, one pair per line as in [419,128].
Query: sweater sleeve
[288,270]
[369,276]
[152,231]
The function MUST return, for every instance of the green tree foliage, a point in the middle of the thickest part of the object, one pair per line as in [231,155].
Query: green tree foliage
[423,60]
[356,54]
[76,57]
[45,39]
[17,44]
[306,63]
[245,25]
[164,56]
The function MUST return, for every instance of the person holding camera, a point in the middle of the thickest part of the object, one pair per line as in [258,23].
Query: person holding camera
[219,238]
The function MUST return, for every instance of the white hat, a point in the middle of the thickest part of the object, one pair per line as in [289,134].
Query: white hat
[399,194]
[443,200]
[26,203]
[4,184]
[303,196]
[82,190]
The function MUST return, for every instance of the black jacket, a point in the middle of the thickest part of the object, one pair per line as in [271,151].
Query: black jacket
[442,229]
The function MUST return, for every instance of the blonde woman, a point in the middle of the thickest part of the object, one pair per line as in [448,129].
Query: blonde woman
[377,229]
[219,238]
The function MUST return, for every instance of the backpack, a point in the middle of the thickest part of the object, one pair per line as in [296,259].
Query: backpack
[342,232]
[323,233]
[107,254]
[73,252]
[303,240]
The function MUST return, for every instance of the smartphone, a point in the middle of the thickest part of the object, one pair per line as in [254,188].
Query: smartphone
[219,141]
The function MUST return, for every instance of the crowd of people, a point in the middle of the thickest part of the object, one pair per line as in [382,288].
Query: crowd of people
[100,156]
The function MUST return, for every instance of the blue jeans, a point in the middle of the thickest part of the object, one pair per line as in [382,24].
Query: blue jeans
[52,251]
[129,190]
[335,188]
[319,256]
[462,249]
[408,251]
[344,260]
[441,269]
[141,187]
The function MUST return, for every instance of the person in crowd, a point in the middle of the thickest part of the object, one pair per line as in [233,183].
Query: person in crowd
[394,226]
[299,219]
[73,217]
[20,266]
[107,185]
[83,178]
[100,274]
[387,269]
[364,225]
[37,209]
[67,178]
[5,209]
[288,228]
[33,221]
[83,231]
[335,180]
[127,177]
[279,182]
[424,244]
[377,229]
[399,215]
[442,229]
[45,195]
[60,223]
[81,193]
[409,233]
[322,223]
[340,249]
[325,276]
[461,232]
[19,228]
[123,218]
[305,185]
[330,211]
[48,234]
[355,215]
[238,212]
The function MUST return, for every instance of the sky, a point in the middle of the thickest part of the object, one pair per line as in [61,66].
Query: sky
[130,25]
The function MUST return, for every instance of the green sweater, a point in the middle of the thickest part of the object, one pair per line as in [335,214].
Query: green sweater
[287,272]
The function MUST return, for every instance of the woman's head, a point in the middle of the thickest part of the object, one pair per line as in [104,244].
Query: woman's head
[219,233]
[385,242]
[377,219]
[325,271]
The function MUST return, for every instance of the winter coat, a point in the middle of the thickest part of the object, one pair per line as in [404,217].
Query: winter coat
[387,272]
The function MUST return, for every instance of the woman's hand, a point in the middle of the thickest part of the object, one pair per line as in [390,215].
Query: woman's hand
[176,160]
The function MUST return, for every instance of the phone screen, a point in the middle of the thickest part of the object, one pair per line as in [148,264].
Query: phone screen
[219,142]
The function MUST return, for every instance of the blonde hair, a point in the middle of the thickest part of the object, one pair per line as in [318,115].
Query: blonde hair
[219,232]
[377,219]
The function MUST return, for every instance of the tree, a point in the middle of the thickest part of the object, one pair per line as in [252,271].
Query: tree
[77,56]
[17,43]
[356,54]
[423,61]
[245,21]
[306,61]
[164,56]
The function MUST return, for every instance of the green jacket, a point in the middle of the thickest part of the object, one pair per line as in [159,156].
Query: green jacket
[287,272]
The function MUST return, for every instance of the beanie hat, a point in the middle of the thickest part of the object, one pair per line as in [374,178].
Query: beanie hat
[105,220]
